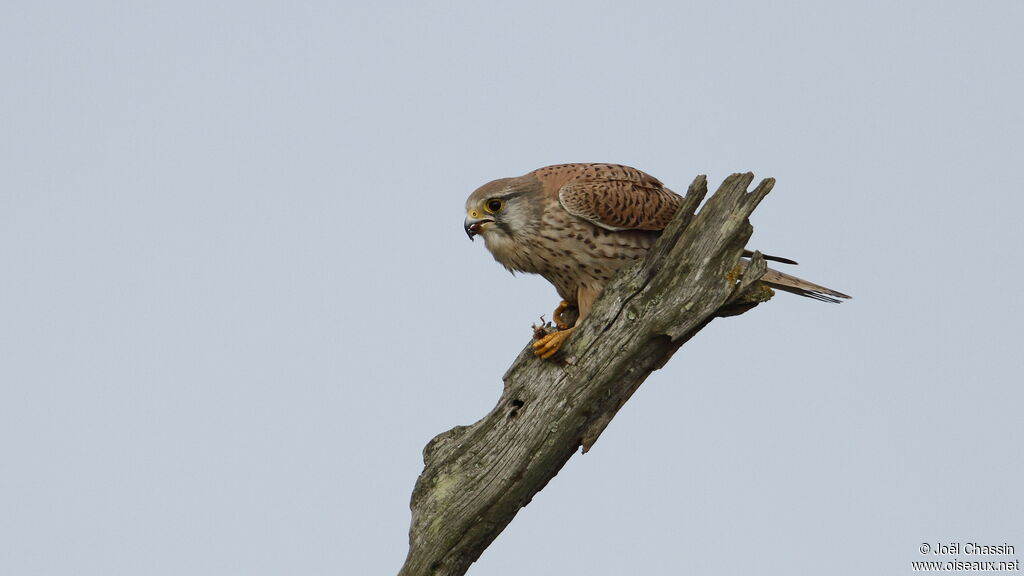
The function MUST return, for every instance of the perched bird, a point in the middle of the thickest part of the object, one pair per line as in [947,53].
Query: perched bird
[577,224]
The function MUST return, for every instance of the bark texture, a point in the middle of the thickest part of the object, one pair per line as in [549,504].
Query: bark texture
[476,478]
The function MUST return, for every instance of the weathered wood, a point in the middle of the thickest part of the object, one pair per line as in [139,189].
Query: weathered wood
[476,478]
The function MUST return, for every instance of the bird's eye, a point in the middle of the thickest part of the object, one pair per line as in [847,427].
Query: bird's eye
[494,205]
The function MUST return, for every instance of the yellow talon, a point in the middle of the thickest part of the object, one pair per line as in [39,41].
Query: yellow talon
[548,345]
[557,315]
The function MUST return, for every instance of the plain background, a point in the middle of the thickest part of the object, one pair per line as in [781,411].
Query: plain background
[236,299]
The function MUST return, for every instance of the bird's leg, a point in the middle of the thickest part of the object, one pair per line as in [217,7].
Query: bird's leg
[557,315]
[548,345]
[585,296]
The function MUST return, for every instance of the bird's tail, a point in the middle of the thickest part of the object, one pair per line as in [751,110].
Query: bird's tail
[783,281]
[788,283]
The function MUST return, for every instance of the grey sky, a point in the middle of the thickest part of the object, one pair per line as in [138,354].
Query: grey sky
[237,301]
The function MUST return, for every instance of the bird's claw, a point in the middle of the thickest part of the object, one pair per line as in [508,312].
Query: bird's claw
[546,346]
[557,315]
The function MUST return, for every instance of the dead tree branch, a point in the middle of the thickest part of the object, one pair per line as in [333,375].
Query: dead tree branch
[476,478]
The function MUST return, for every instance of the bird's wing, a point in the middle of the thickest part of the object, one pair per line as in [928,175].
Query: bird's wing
[619,198]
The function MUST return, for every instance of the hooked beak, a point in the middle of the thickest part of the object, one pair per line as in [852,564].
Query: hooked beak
[474,223]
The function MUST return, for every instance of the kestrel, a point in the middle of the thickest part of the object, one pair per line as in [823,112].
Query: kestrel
[577,224]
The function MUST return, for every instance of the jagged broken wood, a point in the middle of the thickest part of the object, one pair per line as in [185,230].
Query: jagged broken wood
[476,478]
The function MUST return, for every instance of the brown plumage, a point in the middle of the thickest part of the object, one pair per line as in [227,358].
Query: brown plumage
[577,224]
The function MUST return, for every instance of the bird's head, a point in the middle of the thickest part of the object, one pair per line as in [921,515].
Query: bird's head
[501,210]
